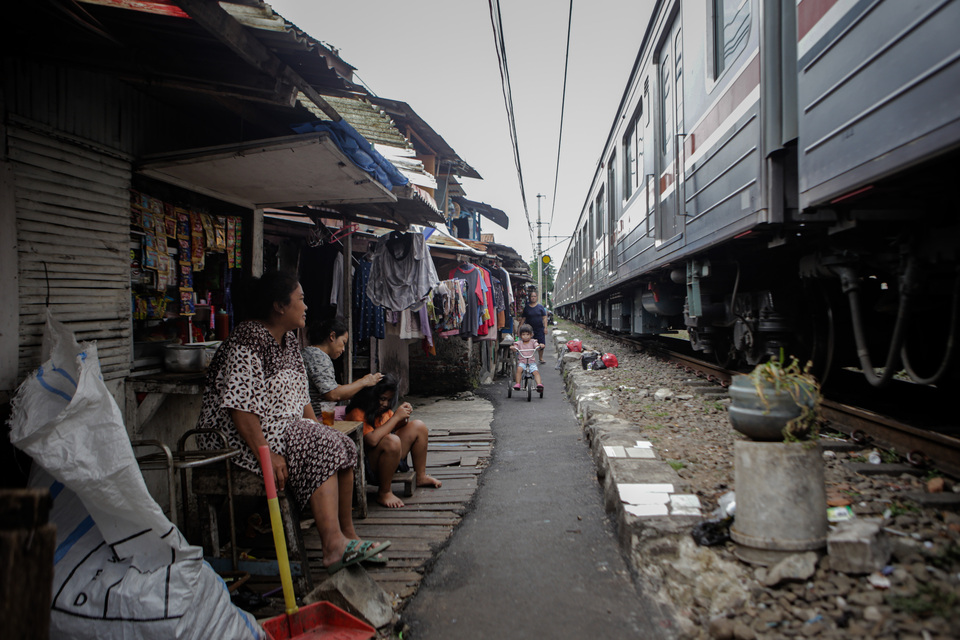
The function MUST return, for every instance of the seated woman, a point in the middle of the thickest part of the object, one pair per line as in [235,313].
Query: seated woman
[389,437]
[328,340]
[256,392]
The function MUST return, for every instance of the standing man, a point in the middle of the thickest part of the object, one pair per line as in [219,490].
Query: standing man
[536,316]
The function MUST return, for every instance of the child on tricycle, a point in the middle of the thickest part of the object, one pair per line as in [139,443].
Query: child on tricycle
[526,349]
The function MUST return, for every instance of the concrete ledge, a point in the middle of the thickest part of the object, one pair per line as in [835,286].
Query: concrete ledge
[654,522]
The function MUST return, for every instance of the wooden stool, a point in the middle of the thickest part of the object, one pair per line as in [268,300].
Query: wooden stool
[354,430]
[211,482]
[407,479]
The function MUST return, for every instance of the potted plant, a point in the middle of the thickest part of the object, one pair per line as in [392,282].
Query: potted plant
[777,401]
[779,476]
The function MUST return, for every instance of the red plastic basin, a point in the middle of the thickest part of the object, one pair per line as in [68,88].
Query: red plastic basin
[316,621]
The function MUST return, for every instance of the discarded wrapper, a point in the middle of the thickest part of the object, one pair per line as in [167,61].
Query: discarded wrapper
[840,514]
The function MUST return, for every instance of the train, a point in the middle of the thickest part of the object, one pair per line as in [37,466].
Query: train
[780,177]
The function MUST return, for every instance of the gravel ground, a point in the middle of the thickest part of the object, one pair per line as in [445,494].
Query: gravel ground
[915,595]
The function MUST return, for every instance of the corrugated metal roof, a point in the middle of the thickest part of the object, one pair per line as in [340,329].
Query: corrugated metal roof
[497,215]
[369,121]
[404,116]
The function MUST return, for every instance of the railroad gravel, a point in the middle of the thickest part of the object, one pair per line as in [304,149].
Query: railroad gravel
[716,595]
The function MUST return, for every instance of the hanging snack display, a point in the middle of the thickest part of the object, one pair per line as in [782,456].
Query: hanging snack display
[180,259]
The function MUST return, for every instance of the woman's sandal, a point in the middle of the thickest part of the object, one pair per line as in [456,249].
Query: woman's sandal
[357,551]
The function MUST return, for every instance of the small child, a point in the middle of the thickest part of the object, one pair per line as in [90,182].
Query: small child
[388,437]
[526,349]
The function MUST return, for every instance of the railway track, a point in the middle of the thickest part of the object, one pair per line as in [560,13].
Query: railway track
[921,447]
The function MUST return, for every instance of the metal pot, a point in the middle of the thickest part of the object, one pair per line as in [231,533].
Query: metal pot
[184,358]
[762,418]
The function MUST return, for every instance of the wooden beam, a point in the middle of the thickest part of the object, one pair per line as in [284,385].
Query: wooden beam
[220,24]
[280,93]
[10,283]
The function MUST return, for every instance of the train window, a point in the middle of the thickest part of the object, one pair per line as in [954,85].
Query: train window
[632,152]
[731,26]
[666,108]
[646,96]
[600,213]
[591,234]
[611,191]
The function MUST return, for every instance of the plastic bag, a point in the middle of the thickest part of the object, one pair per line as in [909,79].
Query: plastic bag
[121,569]
[609,360]
[598,364]
[588,358]
[710,533]
[575,345]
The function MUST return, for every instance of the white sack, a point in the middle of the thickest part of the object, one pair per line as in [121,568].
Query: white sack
[121,569]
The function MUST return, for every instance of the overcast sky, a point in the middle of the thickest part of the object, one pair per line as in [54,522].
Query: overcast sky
[439,57]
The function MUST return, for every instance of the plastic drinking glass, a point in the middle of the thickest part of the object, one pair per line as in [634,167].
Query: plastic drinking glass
[326,412]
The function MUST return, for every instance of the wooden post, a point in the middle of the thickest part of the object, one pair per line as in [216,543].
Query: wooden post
[9,284]
[27,542]
[256,237]
[347,311]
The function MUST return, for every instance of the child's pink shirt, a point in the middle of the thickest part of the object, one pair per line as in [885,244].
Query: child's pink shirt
[530,346]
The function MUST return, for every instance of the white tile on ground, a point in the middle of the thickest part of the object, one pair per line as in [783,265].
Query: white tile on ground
[684,505]
[644,444]
[645,493]
[646,509]
[614,452]
[635,452]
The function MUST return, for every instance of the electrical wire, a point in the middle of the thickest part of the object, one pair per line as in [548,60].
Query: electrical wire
[563,101]
[500,46]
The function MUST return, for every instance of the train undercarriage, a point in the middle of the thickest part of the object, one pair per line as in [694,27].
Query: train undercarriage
[875,288]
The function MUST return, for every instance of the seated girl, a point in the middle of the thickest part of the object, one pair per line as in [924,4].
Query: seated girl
[389,436]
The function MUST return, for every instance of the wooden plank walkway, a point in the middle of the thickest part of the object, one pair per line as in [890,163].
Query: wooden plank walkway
[461,443]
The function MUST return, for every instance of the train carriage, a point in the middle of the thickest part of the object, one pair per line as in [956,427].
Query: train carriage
[778,176]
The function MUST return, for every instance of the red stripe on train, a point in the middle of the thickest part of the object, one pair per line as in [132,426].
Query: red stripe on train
[728,102]
[809,13]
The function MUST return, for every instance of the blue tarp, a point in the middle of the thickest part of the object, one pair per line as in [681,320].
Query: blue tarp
[358,149]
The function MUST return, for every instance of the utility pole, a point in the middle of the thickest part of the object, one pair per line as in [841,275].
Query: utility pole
[539,253]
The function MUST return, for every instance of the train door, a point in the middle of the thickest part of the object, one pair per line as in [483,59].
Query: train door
[670,80]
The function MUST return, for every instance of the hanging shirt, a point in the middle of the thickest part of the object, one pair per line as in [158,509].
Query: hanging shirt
[403,273]
[472,296]
[336,286]
[367,317]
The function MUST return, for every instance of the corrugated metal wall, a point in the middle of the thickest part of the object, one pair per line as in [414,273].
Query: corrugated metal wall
[73,216]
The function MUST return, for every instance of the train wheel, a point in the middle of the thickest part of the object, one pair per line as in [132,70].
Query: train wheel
[818,331]
[724,351]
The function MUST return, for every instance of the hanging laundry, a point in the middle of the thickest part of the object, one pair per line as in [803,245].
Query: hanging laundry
[367,317]
[474,295]
[403,273]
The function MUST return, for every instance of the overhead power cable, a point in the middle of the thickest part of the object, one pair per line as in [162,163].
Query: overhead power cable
[563,101]
[501,49]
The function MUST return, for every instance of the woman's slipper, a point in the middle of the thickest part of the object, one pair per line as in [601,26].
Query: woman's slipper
[377,560]
[357,551]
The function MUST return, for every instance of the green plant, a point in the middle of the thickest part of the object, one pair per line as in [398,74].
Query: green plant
[948,558]
[676,464]
[898,508]
[928,601]
[716,405]
[931,474]
[889,457]
[799,384]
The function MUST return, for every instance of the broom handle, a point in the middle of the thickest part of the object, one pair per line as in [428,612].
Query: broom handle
[277,525]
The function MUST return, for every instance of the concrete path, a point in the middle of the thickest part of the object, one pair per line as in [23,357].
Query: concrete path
[536,555]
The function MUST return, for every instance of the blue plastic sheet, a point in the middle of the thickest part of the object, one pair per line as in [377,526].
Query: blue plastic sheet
[358,149]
